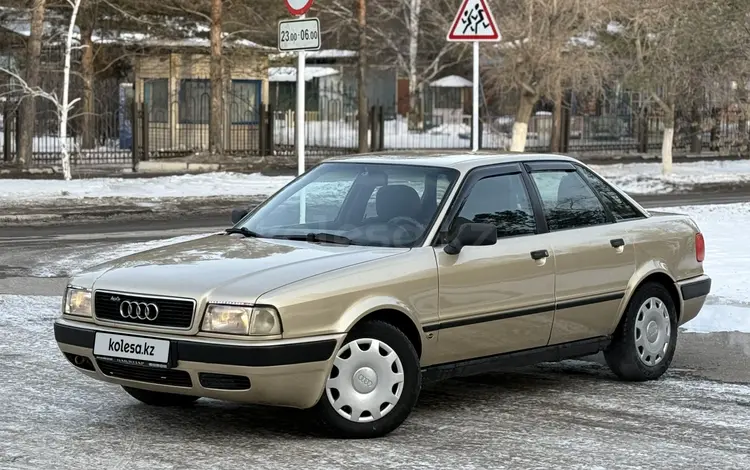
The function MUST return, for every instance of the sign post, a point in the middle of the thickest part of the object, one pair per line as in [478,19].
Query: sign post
[474,23]
[299,35]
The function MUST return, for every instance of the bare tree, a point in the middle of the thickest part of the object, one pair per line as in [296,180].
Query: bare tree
[62,105]
[547,45]
[27,109]
[409,34]
[423,52]
[362,77]
[674,52]
[215,140]
[87,22]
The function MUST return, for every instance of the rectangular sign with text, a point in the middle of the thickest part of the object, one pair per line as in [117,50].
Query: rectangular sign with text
[299,35]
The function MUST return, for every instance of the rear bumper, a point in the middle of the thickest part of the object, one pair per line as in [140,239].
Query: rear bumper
[693,292]
[283,373]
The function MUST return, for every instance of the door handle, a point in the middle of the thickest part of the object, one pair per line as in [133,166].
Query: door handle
[617,242]
[539,254]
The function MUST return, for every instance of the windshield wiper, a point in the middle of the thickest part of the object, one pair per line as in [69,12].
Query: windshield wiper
[319,238]
[243,231]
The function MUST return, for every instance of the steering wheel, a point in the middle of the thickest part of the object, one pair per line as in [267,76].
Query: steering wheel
[410,223]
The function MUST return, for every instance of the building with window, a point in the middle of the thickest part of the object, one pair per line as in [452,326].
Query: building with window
[176,89]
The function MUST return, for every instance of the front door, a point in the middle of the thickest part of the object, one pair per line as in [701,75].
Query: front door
[498,298]
[594,255]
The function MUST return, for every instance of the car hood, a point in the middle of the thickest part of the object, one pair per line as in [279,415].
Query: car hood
[224,268]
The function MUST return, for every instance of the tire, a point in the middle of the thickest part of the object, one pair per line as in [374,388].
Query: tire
[369,374]
[650,315]
[160,398]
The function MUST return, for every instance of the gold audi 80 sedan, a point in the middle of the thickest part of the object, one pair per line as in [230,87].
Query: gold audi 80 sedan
[368,276]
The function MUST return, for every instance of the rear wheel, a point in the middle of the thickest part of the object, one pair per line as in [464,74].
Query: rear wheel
[374,382]
[644,343]
[160,398]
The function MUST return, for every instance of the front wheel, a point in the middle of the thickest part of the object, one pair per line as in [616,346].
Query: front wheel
[645,341]
[374,382]
[160,398]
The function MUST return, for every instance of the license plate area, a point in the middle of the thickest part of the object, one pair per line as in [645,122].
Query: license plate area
[134,350]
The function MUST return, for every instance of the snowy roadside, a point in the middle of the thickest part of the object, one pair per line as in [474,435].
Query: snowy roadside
[635,178]
[728,304]
[646,178]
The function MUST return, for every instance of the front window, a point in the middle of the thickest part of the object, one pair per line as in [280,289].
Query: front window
[358,203]
[501,201]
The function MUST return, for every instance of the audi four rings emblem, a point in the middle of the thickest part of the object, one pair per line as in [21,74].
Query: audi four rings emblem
[139,310]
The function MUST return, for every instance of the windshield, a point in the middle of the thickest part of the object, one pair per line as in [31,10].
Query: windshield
[362,204]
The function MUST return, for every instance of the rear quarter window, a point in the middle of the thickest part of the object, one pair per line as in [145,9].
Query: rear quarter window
[621,209]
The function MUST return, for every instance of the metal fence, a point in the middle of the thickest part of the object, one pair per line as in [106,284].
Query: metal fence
[125,130]
[104,143]
[444,121]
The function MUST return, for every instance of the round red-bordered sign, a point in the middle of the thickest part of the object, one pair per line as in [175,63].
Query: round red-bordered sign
[298,7]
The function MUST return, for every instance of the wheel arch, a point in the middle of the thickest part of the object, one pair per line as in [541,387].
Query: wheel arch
[389,312]
[659,276]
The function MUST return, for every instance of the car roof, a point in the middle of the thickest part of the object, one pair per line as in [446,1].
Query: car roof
[462,161]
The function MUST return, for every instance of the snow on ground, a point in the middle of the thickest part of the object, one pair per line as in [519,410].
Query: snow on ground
[337,134]
[720,317]
[634,178]
[728,305]
[647,178]
[202,185]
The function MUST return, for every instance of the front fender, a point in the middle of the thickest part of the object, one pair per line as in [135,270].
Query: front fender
[365,306]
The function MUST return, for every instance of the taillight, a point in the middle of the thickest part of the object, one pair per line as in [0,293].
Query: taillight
[700,247]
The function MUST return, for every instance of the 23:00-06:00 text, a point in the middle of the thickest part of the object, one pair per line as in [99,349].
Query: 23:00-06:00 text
[303,35]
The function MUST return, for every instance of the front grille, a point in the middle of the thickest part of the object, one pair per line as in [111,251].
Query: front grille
[178,378]
[173,313]
[223,381]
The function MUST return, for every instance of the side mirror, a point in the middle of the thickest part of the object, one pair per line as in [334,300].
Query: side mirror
[238,214]
[472,235]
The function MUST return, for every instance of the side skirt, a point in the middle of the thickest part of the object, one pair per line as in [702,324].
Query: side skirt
[526,357]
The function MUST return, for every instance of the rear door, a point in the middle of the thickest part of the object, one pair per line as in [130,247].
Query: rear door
[498,298]
[594,255]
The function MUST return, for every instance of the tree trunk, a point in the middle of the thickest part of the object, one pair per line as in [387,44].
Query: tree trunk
[668,139]
[415,9]
[215,134]
[696,128]
[28,104]
[88,130]
[65,106]
[555,137]
[521,126]
[362,72]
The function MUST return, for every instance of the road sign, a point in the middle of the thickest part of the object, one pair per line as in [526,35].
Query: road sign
[299,35]
[474,22]
[298,7]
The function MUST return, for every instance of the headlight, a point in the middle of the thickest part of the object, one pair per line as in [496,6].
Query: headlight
[236,320]
[78,302]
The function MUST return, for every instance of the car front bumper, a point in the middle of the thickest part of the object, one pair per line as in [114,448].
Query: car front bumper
[281,373]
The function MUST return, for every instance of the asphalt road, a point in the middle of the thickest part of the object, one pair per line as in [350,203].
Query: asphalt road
[190,215]
[568,415]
